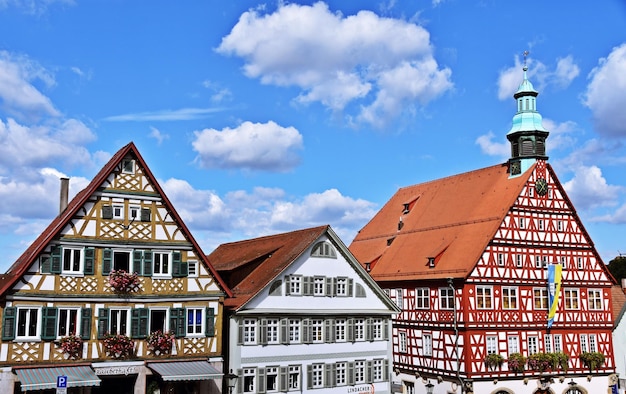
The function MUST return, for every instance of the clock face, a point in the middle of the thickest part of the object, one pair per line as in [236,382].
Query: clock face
[541,186]
[516,168]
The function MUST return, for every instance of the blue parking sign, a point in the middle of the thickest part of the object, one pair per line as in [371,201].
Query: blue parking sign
[61,382]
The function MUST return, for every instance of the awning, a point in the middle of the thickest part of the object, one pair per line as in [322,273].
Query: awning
[46,378]
[185,370]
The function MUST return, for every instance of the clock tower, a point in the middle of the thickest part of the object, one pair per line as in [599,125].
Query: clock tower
[527,135]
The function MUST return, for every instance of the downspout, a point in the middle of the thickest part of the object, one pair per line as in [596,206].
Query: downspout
[456,336]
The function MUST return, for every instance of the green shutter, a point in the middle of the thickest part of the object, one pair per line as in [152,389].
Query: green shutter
[85,323]
[57,255]
[103,322]
[107,261]
[49,323]
[139,323]
[137,256]
[147,262]
[46,264]
[89,261]
[177,321]
[8,323]
[179,268]
[107,212]
[145,214]
[210,322]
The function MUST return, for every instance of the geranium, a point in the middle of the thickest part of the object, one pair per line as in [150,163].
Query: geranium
[72,345]
[160,342]
[123,282]
[516,362]
[494,360]
[540,361]
[119,346]
[592,360]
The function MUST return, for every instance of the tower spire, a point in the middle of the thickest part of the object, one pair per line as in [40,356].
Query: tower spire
[527,135]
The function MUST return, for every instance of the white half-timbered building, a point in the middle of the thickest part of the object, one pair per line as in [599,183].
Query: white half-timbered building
[467,258]
[305,317]
[115,295]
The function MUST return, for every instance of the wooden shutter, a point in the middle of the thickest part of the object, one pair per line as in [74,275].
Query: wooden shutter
[8,323]
[179,268]
[210,322]
[386,370]
[263,332]
[137,261]
[103,322]
[107,261]
[46,264]
[89,261]
[284,331]
[85,323]
[147,262]
[368,372]
[49,323]
[309,376]
[350,286]
[240,381]
[145,214]
[329,287]
[306,331]
[139,322]
[329,334]
[261,381]
[57,258]
[350,330]
[307,288]
[328,375]
[240,332]
[386,329]
[369,329]
[177,322]
[283,384]
[107,212]
[350,373]
[287,285]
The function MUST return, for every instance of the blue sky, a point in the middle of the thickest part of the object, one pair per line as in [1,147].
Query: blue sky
[264,117]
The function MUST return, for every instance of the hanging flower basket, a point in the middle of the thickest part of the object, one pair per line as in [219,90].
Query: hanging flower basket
[119,347]
[72,346]
[123,282]
[160,343]
[540,362]
[592,360]
[494,360]
[516,362]
[560,361]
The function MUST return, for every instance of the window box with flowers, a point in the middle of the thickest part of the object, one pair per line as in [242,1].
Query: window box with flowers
[123,282]
[592,360]
[560,360]
[118,347]
[72,346]
[160,343]
[493,361]
[516,362]
[540,362]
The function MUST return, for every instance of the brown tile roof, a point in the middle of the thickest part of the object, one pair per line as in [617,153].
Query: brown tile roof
[20,266]
[619,303]
[249,266]
[450,219]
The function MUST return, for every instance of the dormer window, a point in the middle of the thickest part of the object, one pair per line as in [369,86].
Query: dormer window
[324,249]
[406,208]
[128,166]
[431,262]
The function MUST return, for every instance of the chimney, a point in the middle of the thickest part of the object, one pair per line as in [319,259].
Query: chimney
[65,185]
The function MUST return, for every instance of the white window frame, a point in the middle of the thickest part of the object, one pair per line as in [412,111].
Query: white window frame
[359,371]
[519,261]
[249,380]
[126,163]
[249,331]
[317,375]
[157,262]
[542,297]
[319,286]
[400,298]
[118,211]
[340,330]
[272,372]
[593,343]
[558,342]
[446,298]
[377,370]
[377,328]
[491,344]
[295,284]
[341,286]
[533,345]
[32,330]
[422,298]
[513,344]
[402,344]
[594,299]
[117,319]
[583,343]
[317,330]
[341,369]
[67,321]
[427,345]
[359,329]
[501,259]
[293,381]
[484,297]
[272,329]
[571,296]
[509,297]
[73,253]
[192,268]
[197,327]
[295,329]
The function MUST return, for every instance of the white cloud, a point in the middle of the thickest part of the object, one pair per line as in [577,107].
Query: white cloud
[589,189]
[18,95]
[252,146]
[165,115]
[339,60]
[158,136]
[606,93]
[33,7]
[491,148]
[617,217]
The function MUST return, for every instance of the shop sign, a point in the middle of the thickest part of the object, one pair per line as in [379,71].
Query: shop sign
[120,370]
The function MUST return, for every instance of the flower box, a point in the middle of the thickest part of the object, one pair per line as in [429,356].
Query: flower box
[516,362]
[72,346]
[123,282]
[119,347]
[160,343]
[494,360]
[592,360]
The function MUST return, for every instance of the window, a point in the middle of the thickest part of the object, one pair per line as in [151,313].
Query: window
[492,344]
[540,224]
[324,249]
[513,344]
[537,261]
[158,319]
[271,379]
[484,297]
[340,373]
[522,223]
[128,166]
[341,287]
[583,343]
[319,286]
[294,377]
[195,321]
[399,298]
[359,329]
[518,260]
[249,331]
[579,263]
[294,331]
[340,330]
[540,297]
[121,260]
[249,377]
[118,211]
[446,298]
[134,212]
[317,330]
[161,263]
[72,259]
[377,329]
[595,299]
[593,343]
[500,259]
[68,322]
[571,298]
[409,387]
[558,342]
[547,339]
[422,298]
[509,298]
[27,323]
[119,321]
[402,341]
[192,267]
[272,331]
[294,284]
[359,371]
[532,345]
[377,370]
[317,376]
[427,345]
[559,225]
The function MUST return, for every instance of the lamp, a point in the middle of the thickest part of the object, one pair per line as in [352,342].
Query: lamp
[231,380]
[572,383]
[429,387]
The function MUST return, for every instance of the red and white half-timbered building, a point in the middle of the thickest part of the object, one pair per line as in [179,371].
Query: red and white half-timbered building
[469,259]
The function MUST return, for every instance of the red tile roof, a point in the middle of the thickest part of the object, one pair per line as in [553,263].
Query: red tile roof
[249,266]
[451,220]
[619,303]
[32,252]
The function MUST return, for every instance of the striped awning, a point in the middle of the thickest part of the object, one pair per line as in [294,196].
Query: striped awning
[185,370]
[46,378]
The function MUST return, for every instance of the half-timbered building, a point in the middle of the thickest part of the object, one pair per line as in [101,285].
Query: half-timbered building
[477,260]
[305,317]
[115,295]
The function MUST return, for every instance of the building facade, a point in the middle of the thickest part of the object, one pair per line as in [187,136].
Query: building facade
[115,295]
[501,288]
[305,316]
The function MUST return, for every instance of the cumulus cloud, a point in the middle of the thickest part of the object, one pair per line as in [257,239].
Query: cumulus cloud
[606,94]
[589,189]
[617,217]
[492,148]
[375,62]
[252,146]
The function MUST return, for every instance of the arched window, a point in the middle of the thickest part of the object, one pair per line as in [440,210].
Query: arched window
[324,249]
[276,288]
